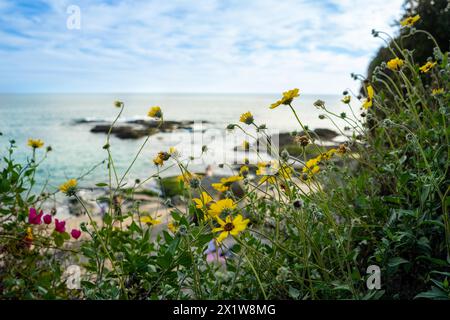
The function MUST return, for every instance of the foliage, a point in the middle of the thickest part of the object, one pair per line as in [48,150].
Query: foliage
[434,18]
[305,227]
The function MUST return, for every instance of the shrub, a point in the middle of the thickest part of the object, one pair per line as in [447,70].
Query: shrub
[306,227]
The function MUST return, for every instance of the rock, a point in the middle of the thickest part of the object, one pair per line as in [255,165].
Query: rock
[325,134]
[177,200]
[124,132]
[135,129]
[76,209]
[286,140]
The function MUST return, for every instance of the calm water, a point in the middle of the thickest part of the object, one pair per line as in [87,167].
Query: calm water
[75,149]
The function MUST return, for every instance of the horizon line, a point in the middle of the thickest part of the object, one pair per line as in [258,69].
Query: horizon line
[158,92]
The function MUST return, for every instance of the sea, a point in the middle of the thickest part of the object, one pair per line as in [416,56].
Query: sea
[63,121]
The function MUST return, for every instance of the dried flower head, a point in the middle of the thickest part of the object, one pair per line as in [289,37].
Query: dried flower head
[302,140]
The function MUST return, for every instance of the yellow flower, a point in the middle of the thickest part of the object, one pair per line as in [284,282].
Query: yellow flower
[369,100]
[29,236]
[246,145]
[158,161]
[155,112]
[311,169]
[395,64]
[174,152]
[327,155]
[266,168]
[230,226]
[409,22]
[203,200]
[225,183]
[427,66]
[244,170]
[224,206]
[312,165]
[220,187]
[230,180]
[172,226]
[246,118]
[285,171]
[315,169]
[150,221]
[287,98]
[312,162]
[437,91]
[35,143]
[271,170]
[69,187]
[268,179]
[160,158]
[346,99]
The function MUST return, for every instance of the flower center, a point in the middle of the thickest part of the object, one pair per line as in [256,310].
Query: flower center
[228,227]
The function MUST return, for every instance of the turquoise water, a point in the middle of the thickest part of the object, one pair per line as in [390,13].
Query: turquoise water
[52,118]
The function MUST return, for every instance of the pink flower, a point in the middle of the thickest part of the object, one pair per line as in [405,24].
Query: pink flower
[47,219]
[75,233]
[33,217]
[60,226]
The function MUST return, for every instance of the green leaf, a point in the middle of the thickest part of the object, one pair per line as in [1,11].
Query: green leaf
[294,293]
[101,184]
[175,215]
[434,293]
[204,239]
[59,240]
[165,260]
[394,262]
[185,260]
[134,227]
[107,219]
[174,245]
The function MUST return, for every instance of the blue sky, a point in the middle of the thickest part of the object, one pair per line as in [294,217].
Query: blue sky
[189,46]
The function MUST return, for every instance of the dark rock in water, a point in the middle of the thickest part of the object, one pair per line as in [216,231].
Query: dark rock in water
[286,138]
[135,129]
[177,200]
[75,208]
[86,120]
[124,132]
[325,134]
[319,133]
[286,141]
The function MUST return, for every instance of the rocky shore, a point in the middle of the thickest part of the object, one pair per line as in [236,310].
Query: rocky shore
[135,129]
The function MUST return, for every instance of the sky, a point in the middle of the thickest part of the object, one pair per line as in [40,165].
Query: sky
[198,46]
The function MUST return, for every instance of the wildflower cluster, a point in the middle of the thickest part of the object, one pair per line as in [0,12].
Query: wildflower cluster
[300,225]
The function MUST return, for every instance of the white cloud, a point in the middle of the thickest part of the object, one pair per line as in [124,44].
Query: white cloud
[212,46]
